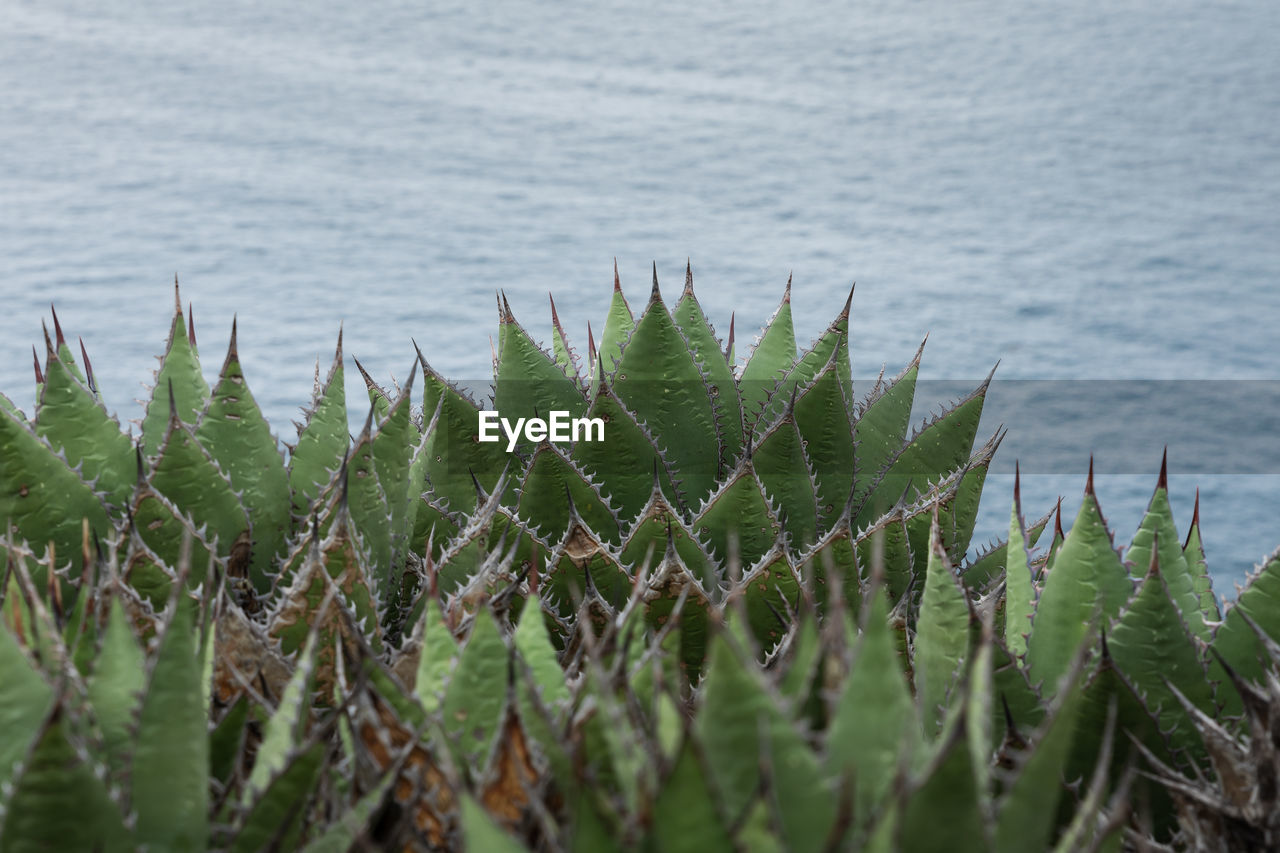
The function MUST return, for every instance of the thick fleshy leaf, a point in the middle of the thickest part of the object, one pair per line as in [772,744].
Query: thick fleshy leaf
[283,731]
[456,458]
[881,427]
[180,390]
[116,685]
[822,418]
[236,436]
[686,815]
[542,498]
[783,466]
[1152,646]
[42,497]
[942,446]
[1236,641]
[769,361]
[475,697]
[738,511]
[942,637]
[623,464]
[24,702]
[74,422]
[1020,592]
[942,813]
[874,723]
[323,442]
[618,326]
[658,379]
[529,383]
[1158,528]
[696,329]
[170,767]
[482,833]
[184,473]
[831,348]
[57,801]
[1086,586]
[1197,565]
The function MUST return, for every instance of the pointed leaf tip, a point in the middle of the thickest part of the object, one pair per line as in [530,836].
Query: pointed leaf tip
[36,360]
[57,327]
[48,341]
[688,277]
[88,366]
[1088,484]
[191,324]
[848,303]
[617,283]
[1057,522]
[1163,481]
[655,295]
[1017,482]
[786,294]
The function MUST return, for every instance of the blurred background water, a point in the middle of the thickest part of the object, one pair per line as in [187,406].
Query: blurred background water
[1083,192]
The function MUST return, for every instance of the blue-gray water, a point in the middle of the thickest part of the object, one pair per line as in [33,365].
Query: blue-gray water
[1083,192]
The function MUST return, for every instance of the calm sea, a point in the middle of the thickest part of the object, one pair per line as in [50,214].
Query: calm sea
[1084,192]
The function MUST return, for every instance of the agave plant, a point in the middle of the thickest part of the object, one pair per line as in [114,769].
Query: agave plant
[777,466]
[741,621]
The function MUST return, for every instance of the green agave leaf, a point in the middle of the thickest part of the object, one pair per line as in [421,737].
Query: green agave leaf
[439,651]
[1193,552]
[184,472]
[658,379]
[832,347]
[24,702]
[395,452]
[170,768]
[529,383]
[64,351]
[772,357]
[42,497]
[940,447]
[880,430]
[368,503]
[1029,804]
[1158,526]
[686,814]
[942,811]
[534,647]
[618,326]
[456,458]
[658,525]
[57,801]
[180,391]
[979,572]
[163,528]
[379,399]
[1236,641]
[738,510]
[717,369]
[1134,723]
[74,422]
[236,436]
[566,359]
[786,474]
[116,685]
[1088,583]
[771,590]
[942,636]
[1152,646]
[226,741]
[1020,590]
[835,557]
[885,550]
[623,464]
[476,694]
[822,418]
[551,475]
[323,441]
[956,499]
[739,719]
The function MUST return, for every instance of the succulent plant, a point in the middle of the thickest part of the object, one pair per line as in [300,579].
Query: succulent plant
[743,621]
